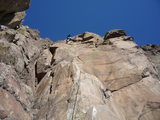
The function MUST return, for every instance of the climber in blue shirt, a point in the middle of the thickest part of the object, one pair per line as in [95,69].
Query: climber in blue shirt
[69,38]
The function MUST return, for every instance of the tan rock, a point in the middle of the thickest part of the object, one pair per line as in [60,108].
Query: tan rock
[9,81]
[10,108]
[43,63]
[153,52]
[115,80]
[86,79]
[88,38]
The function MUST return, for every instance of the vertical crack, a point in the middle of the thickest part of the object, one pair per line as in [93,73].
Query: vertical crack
[75,102]
[106,93]
[51,86]
[72,101]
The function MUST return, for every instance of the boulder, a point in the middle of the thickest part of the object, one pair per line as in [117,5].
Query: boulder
[13,20]
[114,33]
[8,6]
[11,12]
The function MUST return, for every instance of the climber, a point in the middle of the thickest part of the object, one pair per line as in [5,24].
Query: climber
[69,38]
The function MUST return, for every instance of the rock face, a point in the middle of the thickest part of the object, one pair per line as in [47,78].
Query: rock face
[90,78]
[11,12]
[153,52]
[19,50]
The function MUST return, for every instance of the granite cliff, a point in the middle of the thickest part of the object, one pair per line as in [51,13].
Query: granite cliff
[89,78]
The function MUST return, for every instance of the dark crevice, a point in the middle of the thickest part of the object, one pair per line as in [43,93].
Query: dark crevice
[7,18]
[122,87]
[53,60]
[128,85]
[68,100]
[146,73]
[51,86]
[25,53]
[36,81]
[53,51]
[106,95]
[39,76]
[87,38]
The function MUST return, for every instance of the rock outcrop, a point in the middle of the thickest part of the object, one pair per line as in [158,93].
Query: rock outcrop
[19,50]
[153,52]
[114,33]
[89,78]
[11,12]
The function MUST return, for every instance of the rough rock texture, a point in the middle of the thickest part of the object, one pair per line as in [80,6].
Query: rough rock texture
[11,12]
[19,50]
[153,52]
[90,78]
[114,33]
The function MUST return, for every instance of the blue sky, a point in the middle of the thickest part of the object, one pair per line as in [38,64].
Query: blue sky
[55,19]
